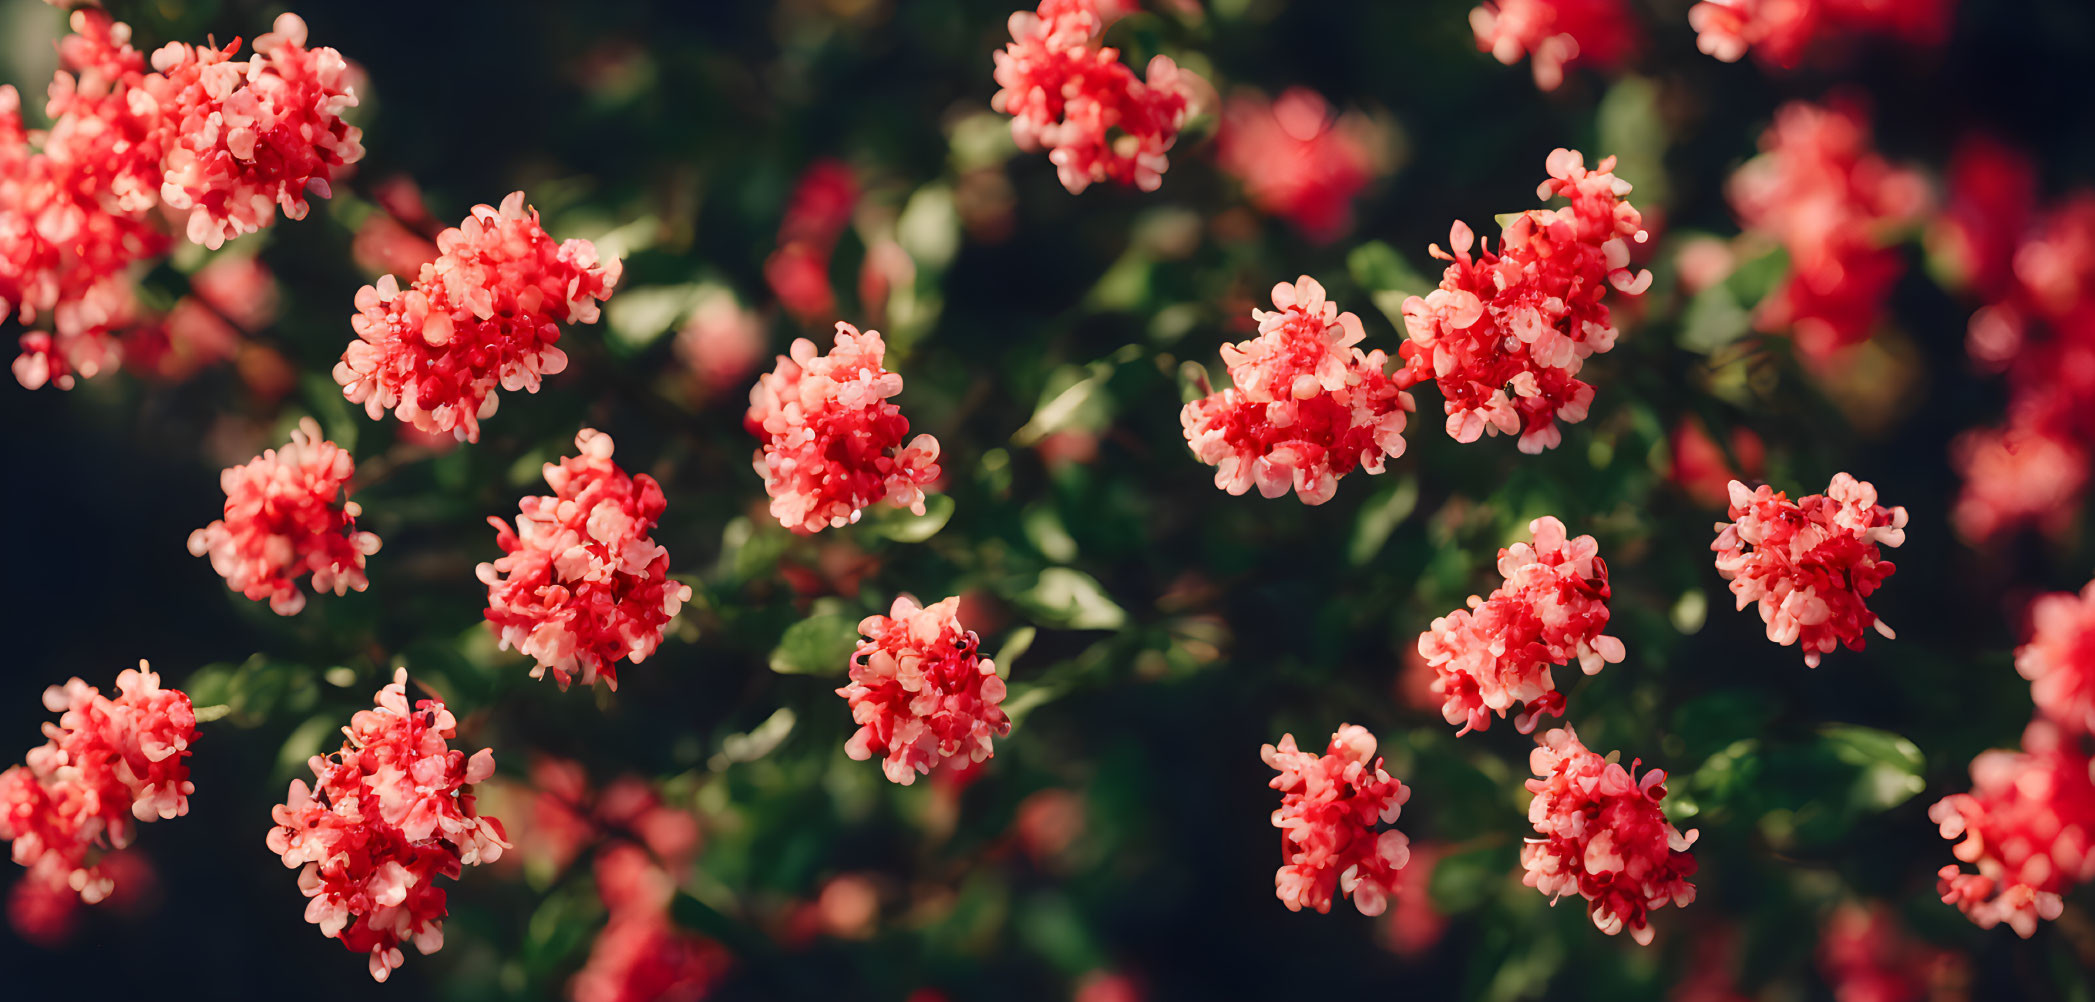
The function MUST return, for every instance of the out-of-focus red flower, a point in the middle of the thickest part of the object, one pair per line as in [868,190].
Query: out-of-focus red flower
[1108,986]
[1296,160]
[1048,822]
[641,955]
[1867,957]
[1990,205]
[817,213]
[721,344]
[2059,660]
[1701,468]
[1555,34]
[1781,33]
[2028,826]
[1413,926]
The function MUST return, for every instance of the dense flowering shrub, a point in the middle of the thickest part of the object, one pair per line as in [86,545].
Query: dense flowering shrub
[1555,34]
[105,764]
[1296,160]
[2059,659]
[1495,656]
[1809,564]
[387,815]
[1781,33]
[486,313]
[1528,315]
[581,582]
[833,443]
[816,215]
[287,514]
[921,692]
[1073,97]
[1604,836]
[1308,406]
[2028,826]
[1330,805]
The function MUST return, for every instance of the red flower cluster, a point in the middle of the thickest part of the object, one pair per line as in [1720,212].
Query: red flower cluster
[1810,563]
[287,513]
[816,215]
[921,692]
[1781,32]
[387,815]
[1066,93]
[1604,836]
[1867,956]
[581,583]
[1529,315]
[105,764]
[2059,659]
[640,955]
[1556,34]
[1308,406]
[225,140]
[1330,805]
[1822,192]
[832,441]
[1298,162]
[486,312]
[2028,825]
[1495,656]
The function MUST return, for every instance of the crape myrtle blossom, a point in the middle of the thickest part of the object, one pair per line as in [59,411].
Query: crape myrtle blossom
[1605,836]
[581,583]
[1296,160]
[104,766]
[1308,406]
[921,692]
[1781,32]
[1073,97]
[287,514]
[1809,564]
[485,314]
[1495,656]
[387,815]
[1555,34]
[833,441]
[2059,659]
[1525,318]
[1330,807]
[2028,826]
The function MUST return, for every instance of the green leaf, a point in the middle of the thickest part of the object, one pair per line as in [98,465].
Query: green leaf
[817,645]
[1071,599]
[904,526]
[1016,644]
[1713,319]
[1380,516]
[1891,766]
[1464,880]
[304,743]
[639,316]
[1378,268]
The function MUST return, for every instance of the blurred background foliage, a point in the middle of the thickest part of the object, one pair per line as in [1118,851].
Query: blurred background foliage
[1155,631]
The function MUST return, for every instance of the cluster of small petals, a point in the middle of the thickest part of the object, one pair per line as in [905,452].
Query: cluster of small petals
[819,210]
[1809,564]
[582,583]
[1330,806]
[2059,659]
[485,314]
[105,765]
[1604,836]
[921,692]
[1296,160]
[833,441]
[1526,317]
[287,514]
[2027,826]
[1554,34]
[1822,192]
[1866,956]
[387,815]
[1073,97]
[1308,405]
[1494,657]
[1781,33]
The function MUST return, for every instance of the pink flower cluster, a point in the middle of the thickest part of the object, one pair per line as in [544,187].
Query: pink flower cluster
[2028,827]
[1810,563]
[222,139]
[1820,190]
[1308,406]
[105,764]
[1529,315]
[581,583]
[1781,32]
[2059,659]
[921,692]
[287,514]
[1330,805]
[816,215]
[1555,34]
[386,816]
[1297,161]
[1605,836]
[1495,655]
[1070,95]
[832,440]
[486,313]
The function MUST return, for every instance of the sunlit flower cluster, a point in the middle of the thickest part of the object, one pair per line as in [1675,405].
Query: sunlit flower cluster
[1527,316]
[1809,564]
[1330,807]
[2027,826]
[833,441]
[287,514]
[581,583]
[816,215]
[1308,406]
[1073,97]
[1494,657]
[485,314]
[387,815]
[1296,160]
[1555,34]
[1781,33]
[105,765]
[921,692]
[1605,836]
